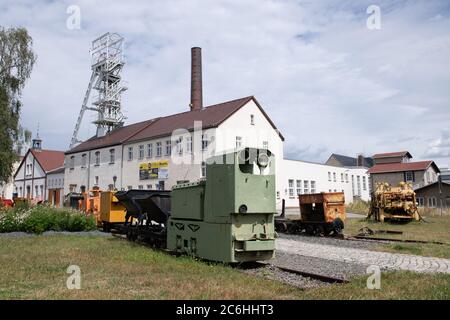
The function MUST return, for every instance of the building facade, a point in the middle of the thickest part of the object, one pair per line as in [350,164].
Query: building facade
[7,189]
[30,179]
[55,187]
[434,195]
[396,167]
[159,153]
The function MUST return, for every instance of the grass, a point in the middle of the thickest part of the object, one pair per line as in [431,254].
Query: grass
[34,267]
[436,228]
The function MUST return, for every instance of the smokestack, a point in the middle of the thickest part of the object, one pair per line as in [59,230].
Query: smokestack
[360,160]
[196,79]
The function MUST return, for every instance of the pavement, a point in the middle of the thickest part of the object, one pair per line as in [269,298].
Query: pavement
[303,247]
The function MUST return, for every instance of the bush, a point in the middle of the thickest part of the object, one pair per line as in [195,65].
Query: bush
[43,218]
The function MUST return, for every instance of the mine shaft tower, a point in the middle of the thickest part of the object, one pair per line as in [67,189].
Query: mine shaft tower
[107,62]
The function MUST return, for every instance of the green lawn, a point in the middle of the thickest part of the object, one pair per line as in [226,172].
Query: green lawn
[35,268]
[435,228]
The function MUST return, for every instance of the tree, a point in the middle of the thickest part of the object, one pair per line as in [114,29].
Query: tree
[16,62]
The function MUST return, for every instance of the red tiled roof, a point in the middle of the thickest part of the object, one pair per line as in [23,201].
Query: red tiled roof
[400,167]
[392,154]
[49,159]
[115,137]
[211,116]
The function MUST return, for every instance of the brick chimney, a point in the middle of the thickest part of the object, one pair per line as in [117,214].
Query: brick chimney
[360,160]
[196,79]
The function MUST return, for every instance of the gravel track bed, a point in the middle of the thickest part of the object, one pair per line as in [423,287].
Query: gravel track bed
[94,233]
[273,273]
[337,269]
[359,244]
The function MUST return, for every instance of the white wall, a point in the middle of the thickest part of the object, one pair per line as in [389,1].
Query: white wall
[86,175]
[30,179]
[307,171]
[7,189]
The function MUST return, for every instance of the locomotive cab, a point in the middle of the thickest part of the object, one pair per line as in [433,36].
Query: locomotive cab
[229,216]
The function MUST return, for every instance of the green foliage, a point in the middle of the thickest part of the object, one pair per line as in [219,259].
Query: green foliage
[358,206]
[43,218]
[16,63]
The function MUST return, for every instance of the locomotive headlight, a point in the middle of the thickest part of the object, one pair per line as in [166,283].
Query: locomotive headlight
[242,208]
[263,160]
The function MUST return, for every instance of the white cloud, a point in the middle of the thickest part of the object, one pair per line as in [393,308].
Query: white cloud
[329,83]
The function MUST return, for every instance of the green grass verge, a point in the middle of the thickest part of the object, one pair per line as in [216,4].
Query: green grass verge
[35,267]
[436,228]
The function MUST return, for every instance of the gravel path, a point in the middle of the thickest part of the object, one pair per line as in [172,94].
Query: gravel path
[303,248]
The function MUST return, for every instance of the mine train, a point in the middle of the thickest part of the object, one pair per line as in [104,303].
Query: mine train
[226,217]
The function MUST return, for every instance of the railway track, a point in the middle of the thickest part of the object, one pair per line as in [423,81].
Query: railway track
[307,274]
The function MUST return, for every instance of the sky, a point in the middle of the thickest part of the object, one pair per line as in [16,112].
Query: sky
[332,75]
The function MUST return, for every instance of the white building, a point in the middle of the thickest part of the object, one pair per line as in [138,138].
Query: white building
[156,154]
[30,179]
[55,186]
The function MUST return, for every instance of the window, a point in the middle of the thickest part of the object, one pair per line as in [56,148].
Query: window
[364,183]
[265,144]
[149,187]
[204,141]
[130,153]
[140,187]
[149,150]
[334,176]
[342,177]
[71,163]
[97,158]
[306,186]
[278,194]
[96,180]
[112,156]
[158,149]
[141,151]
[238,142]
[189,144]
[431,202]
[42,190]
[299,186]
[130,187]
[291,187]
[409,176]
[203,173]
[329,176]
[358,183]
[179,146]
[346,177]
[82,189]
[353,185]
[83,160]
[313,187]
[168,147]
[252,119]
[37,190]
[420,201]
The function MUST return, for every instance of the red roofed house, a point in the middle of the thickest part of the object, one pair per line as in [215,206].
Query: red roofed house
[395,167]
[30,179]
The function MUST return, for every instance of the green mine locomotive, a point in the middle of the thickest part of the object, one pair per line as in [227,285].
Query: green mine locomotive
[227,217]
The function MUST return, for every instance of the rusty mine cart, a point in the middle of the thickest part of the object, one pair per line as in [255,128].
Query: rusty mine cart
[394,203]
[320,214]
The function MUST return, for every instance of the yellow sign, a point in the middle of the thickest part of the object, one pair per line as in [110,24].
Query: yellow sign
[154,170]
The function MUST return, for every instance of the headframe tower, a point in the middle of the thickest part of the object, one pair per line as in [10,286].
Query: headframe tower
[107,62]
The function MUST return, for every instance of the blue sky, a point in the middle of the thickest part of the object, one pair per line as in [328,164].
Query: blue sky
[328,82]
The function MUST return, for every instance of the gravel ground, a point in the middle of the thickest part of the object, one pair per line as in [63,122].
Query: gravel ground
[337,256]
[337,269]
[273,273]
[330,241]
[53,233]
